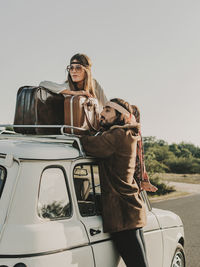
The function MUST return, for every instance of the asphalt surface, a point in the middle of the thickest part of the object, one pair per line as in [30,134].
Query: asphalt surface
[188,208]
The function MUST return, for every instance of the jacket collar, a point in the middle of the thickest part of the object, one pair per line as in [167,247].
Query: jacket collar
[136,136]
[126,126]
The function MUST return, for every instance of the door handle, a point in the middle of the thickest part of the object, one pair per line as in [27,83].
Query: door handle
[94,231]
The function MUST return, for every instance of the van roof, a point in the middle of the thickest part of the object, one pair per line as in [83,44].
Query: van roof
[46,147]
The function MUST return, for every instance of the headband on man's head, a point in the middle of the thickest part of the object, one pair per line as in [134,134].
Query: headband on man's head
[121,110]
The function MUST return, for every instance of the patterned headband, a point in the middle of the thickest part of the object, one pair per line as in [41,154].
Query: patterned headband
[79,63]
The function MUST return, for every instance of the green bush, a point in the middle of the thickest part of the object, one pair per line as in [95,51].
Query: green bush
[160,157]
[175,158]
[152,165]
[184,165]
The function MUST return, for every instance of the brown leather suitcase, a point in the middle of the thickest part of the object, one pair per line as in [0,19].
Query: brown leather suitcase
[38,106]
[82,112]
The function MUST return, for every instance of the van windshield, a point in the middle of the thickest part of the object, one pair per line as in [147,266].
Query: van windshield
[2,179]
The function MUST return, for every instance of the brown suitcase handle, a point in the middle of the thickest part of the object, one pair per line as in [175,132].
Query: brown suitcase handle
[86,103]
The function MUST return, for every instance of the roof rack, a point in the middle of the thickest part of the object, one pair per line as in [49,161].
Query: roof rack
[63,138]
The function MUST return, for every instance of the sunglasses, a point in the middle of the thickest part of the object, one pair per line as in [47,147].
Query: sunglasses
[77,68]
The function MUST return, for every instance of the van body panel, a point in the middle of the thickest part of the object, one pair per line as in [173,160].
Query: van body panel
[65,236]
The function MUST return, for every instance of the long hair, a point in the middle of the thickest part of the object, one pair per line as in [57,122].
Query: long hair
[86,62]
[136,113]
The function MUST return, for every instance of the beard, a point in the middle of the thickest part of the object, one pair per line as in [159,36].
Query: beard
[107,125]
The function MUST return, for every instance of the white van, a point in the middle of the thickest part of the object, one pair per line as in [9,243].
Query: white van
[50,209]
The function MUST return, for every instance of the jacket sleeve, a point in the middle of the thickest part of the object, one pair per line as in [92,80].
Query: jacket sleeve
[53,87]
[99,146]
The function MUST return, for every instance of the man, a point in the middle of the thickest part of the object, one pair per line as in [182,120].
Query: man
[123,210]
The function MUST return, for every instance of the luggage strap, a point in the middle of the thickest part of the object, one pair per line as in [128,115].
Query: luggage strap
[86,115]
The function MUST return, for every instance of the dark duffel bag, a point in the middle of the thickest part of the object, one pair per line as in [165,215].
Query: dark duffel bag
[38,106]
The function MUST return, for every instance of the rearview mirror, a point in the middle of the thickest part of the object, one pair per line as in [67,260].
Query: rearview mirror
[80,172]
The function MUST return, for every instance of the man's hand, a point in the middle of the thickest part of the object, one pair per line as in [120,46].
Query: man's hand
[147,186]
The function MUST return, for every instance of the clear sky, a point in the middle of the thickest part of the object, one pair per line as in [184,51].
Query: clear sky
[146,52]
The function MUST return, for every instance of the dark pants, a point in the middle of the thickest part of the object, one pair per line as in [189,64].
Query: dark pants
[131,246]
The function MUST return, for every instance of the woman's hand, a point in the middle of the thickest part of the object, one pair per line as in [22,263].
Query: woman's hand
[147,186]
[84,93]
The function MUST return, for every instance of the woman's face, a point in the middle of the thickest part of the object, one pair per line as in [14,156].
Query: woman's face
[77,72]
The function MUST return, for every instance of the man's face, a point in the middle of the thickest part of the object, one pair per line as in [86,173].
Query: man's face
[108,116]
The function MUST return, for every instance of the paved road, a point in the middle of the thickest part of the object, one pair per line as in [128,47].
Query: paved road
[186,187]
[188,208]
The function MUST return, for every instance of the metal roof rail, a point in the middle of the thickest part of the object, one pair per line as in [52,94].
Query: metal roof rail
[41,126]
[64,137]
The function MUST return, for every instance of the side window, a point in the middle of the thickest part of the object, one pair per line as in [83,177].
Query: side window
[54,201]
[2,179]
[87,188]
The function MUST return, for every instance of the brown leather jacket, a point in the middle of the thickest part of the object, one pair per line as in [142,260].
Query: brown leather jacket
[123,207]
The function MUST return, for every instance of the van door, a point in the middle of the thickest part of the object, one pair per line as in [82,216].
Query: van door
[64,231]
[88,195]
[153,236]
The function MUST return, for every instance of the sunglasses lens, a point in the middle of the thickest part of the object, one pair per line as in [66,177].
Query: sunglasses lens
[77,68]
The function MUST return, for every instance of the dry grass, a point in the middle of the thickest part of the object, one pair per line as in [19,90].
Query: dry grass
[181,178]
[172,195]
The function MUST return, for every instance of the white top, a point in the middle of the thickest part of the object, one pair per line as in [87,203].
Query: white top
[58,88]
[36,149]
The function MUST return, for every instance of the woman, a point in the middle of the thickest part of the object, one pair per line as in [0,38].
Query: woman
[79,81]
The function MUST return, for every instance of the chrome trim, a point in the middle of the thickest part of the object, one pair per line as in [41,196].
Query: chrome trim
[51,252]
[71,111]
